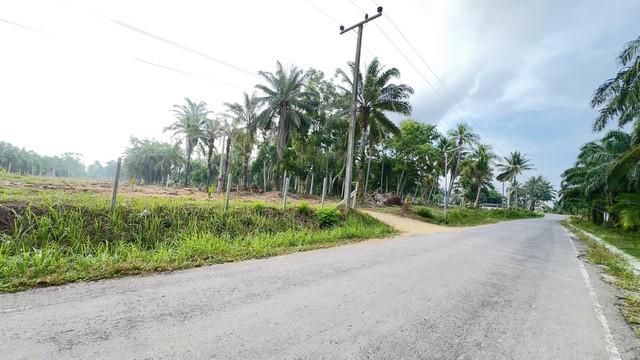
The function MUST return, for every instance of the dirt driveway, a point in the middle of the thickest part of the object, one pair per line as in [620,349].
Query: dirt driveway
[409,226]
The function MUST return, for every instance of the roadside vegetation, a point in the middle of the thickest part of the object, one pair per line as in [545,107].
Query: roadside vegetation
[627,241]
[49,238]
[603,186]
[614,265]
[470,217]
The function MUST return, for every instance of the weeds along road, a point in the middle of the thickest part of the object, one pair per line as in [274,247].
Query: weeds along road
[508,291]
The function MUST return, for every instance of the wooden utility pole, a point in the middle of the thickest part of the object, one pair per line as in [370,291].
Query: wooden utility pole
[354,105]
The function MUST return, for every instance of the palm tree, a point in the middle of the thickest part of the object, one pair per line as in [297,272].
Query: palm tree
[513,165]
[190,118]
[602,170]
[376,95]
[211,131]
[619,97]
[245,117]
[537,189]
[477,167]
[462,136]
[284,98]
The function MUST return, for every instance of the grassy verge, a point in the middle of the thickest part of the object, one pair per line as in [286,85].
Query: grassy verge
[61,238]
[468,217]
[627,241]
[617,267]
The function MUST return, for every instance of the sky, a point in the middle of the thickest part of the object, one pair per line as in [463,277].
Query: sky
[85,76]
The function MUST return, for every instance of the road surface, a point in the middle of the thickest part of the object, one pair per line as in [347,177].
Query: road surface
[507,291]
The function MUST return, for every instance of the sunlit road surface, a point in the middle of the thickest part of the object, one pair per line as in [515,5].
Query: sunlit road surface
[507,291]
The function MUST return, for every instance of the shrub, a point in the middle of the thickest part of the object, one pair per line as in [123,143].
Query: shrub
[424,212]
[393,200]
[303,208]
[328,217]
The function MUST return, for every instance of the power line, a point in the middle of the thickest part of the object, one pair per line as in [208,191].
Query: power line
[457,101]
[183,72]
[183,47]
[328,16]
[412,64]
[20,25]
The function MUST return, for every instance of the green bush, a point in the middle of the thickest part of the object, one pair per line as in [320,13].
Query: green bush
[425,212]
[328,217]
[303,208]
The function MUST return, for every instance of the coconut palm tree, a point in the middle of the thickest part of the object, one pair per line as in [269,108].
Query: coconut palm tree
[619,97]
[477,167]
[245,117]
[376,95]
[284,97]
[190,118]
[513,165]
[461,137]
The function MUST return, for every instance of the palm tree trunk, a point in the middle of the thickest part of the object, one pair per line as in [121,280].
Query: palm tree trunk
[188,168]
[282,134]
[516,190]
[478,196]
[366,181]
[209,164]
[363,139]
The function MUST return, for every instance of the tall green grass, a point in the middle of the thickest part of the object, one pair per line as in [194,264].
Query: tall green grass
[60,239]
[468,217]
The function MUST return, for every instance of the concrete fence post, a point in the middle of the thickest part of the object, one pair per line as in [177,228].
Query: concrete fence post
[116,179]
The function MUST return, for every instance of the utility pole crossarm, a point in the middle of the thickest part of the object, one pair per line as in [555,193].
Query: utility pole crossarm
[366,20]
[352,120]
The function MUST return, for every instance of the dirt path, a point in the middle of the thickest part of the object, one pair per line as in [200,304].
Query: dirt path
[409,226]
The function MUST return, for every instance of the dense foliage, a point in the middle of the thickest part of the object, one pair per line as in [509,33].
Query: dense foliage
[604,184]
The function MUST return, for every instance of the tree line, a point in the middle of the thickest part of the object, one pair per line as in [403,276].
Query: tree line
[294,124]
[604,183]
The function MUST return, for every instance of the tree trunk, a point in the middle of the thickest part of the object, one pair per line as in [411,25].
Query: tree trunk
[209,164]
[226,161]
[219,186]
[282,134]
[188,168]
[366,181]
[363,140]
[478,195]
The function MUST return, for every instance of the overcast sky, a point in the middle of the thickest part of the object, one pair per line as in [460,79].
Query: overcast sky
[84,76]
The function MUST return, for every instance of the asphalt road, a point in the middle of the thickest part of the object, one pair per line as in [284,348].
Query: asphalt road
[508,291]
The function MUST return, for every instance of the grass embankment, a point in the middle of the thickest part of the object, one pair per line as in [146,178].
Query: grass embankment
[615,266]
[469,217]
[49,238]
[627,241]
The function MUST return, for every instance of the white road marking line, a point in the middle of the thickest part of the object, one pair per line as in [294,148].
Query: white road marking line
[614,354]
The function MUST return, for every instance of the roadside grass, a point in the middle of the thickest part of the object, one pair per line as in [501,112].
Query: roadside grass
[469,217]
[627,241]
[615,266]
[50,238]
